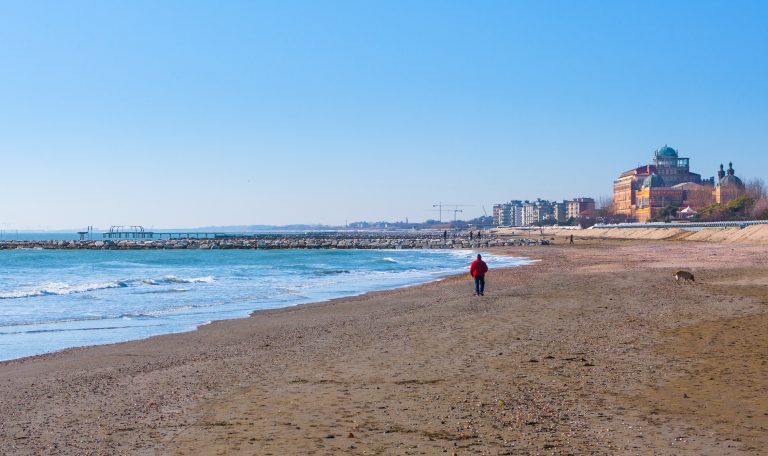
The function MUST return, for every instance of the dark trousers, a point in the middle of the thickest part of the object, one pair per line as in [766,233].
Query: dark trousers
[479,284]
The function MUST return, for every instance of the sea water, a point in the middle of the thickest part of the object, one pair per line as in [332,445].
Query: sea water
[55,299]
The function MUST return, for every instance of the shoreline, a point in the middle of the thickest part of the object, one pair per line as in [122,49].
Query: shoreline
[428,278]
[562,355]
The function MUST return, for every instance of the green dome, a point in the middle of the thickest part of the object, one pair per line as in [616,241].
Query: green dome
[654,180]
[666,151]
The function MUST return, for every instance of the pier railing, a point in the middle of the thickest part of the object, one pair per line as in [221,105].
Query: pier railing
[138,232]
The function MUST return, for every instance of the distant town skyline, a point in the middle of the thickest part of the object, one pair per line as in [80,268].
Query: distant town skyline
[189,114]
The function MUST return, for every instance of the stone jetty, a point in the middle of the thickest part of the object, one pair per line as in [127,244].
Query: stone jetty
[284,241]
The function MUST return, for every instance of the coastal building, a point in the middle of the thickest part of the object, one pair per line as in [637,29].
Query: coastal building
[673,169]
[728,185]
[696,195]
[529,214]
[516,214]
[625,189]
[545,211]
[655,195]
[526,213]
[559,211]
[642,193]
[538,211]
[508,214]
[576,206]
[501,214]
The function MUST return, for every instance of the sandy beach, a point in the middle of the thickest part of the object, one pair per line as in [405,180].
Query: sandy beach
[594,349]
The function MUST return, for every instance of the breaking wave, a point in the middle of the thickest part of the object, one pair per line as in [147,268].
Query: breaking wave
[174,279]
[60,289]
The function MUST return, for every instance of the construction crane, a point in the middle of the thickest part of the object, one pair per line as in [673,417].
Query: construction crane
[455,209]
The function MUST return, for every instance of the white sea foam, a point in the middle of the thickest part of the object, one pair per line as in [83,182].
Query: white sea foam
[161,292]
[174,279]
[60,289]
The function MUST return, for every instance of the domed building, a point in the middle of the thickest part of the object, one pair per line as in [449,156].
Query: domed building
[642,192]
[728,186]
[666,151]
[653,195]
[669,168]
[672,168]
[654,180]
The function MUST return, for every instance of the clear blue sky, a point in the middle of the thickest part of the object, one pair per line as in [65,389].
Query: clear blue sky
[190,113]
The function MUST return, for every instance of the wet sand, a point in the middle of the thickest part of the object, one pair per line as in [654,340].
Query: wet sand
[593,349]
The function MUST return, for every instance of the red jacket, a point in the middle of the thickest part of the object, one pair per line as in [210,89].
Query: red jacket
[478,268]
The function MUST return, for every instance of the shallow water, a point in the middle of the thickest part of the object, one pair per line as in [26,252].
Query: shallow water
[55,299]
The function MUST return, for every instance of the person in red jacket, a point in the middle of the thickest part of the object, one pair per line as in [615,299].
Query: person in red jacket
[477,270]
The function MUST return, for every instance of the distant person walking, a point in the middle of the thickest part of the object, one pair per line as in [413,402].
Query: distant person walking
[477,270]
[571,239]
[470,235]
[445,235]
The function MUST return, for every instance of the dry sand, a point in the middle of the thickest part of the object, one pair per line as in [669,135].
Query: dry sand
[594,349]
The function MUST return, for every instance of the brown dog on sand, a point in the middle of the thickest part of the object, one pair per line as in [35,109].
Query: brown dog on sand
[685,276]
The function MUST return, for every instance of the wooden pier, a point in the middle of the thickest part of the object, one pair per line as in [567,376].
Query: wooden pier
[138,232]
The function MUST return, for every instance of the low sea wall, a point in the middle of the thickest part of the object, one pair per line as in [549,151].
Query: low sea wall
[753,234]
[273,241]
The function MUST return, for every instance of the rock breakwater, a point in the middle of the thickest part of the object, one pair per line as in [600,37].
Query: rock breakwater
[281,241]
